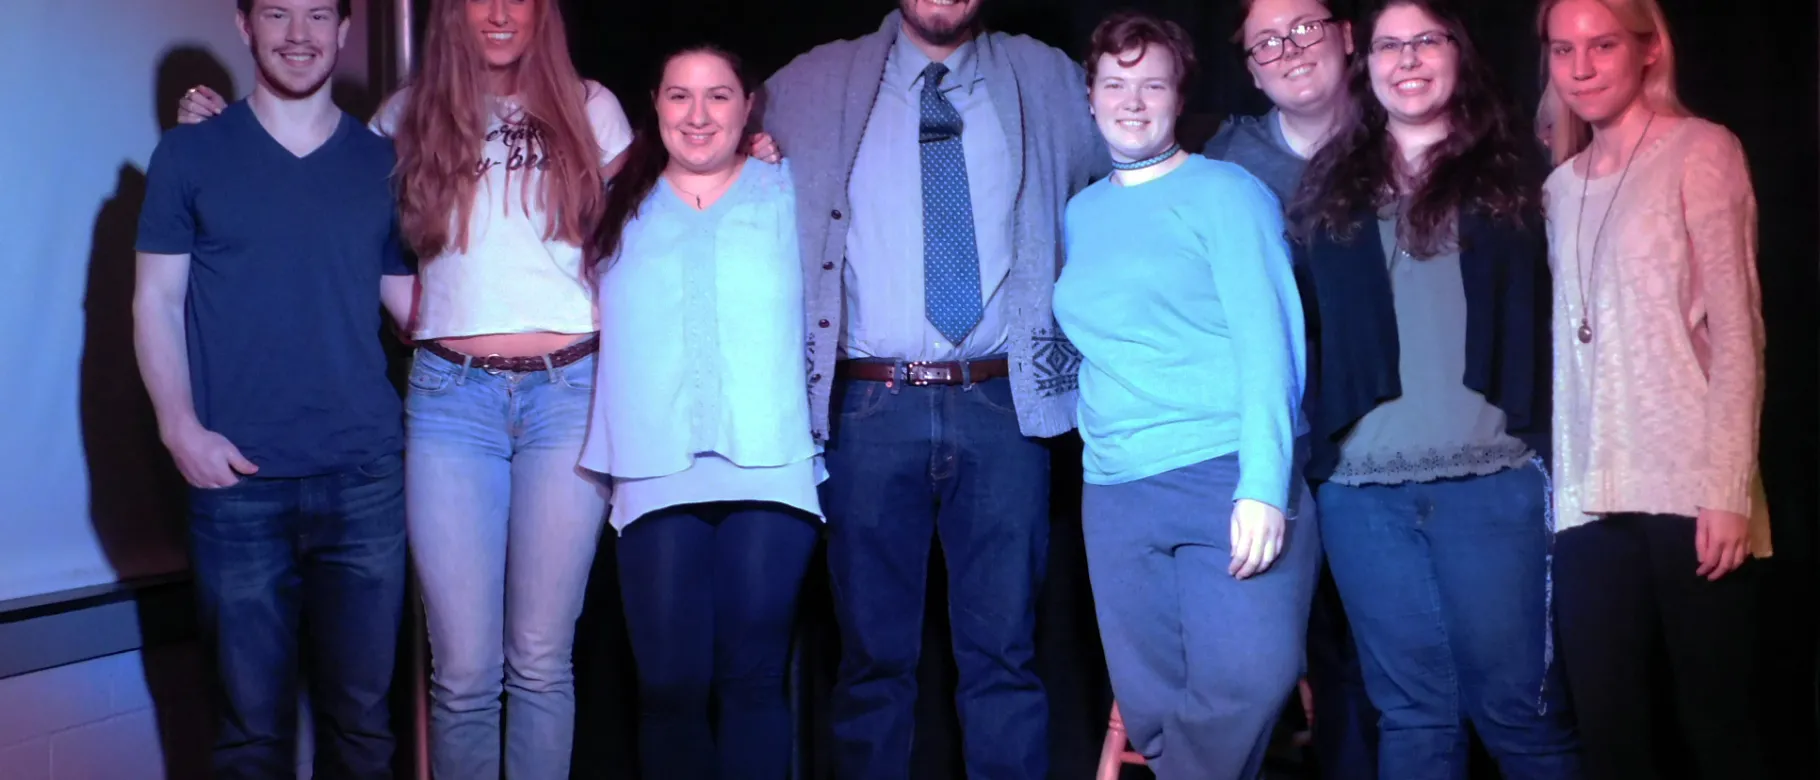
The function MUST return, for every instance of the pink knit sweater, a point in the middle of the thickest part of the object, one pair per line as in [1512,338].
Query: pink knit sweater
[1659,413]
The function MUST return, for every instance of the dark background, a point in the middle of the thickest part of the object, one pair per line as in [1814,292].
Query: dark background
[1748,64]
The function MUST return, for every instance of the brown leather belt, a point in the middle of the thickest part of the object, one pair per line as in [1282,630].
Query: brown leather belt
[947,372]
[498,364]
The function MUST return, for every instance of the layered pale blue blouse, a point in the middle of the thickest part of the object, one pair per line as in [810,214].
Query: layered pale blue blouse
[700,393]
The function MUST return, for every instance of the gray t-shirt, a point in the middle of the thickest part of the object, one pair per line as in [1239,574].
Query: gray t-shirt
[1438,428]
[1256,143]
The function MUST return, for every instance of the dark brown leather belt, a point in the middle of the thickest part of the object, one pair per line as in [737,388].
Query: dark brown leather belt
[921,374]
[526,364]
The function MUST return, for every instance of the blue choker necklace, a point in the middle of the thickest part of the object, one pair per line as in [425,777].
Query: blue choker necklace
[1138,165]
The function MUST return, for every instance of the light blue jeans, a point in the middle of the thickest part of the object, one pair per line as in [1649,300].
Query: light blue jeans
[503,529]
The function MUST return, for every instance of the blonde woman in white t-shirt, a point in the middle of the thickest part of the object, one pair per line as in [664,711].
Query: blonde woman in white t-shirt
[1658,388]
[503,154]
[501,151]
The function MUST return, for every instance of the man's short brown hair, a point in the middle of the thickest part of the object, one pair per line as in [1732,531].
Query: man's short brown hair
[343,8]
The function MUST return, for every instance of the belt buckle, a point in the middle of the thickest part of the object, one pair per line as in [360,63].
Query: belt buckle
[485,365]
[920,374]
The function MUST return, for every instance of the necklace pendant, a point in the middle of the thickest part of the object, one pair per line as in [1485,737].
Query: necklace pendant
[1585,332]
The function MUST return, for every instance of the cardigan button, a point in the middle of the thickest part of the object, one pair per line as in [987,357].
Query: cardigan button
[827,265]
[835,214]
[823,323]
[815,378]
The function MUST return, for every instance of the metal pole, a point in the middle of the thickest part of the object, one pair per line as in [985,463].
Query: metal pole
[403,51]
[403,39]
[420,681]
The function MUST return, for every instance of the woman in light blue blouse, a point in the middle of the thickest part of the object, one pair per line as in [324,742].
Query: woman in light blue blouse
[701,420]
[1201,544]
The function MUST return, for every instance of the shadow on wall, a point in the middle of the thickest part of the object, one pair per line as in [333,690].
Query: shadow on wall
[136,496]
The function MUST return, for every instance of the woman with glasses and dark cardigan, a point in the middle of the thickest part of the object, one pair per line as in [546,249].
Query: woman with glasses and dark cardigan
[1424,266]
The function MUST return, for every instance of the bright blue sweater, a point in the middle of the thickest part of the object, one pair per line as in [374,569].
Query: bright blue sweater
[1179,294]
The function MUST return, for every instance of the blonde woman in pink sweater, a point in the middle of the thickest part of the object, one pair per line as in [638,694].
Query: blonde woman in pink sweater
[1658,387]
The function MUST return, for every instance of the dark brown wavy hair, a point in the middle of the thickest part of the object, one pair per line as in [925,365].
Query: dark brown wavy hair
[1481,166]
[646,158]
[443,127]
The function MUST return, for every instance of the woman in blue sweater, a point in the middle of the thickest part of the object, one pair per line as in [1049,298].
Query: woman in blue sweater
[1421,252]
[1180,296]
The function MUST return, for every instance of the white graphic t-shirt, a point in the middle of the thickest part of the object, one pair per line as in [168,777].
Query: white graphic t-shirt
[510,279]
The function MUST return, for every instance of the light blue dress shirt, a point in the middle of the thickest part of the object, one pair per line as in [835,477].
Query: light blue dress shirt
[885,315]
[699,394]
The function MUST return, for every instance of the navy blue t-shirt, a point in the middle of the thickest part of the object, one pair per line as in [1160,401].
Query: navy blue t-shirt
[283,315]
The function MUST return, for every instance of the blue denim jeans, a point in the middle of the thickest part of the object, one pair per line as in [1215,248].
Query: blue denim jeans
[907,466]
[1345,723]
[710,592]
[1446,584]
[503,531]
[1200,662]
[302,575]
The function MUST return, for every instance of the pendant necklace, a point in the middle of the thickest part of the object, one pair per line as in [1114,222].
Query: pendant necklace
[711,190]
[1396,238]
[1583,281]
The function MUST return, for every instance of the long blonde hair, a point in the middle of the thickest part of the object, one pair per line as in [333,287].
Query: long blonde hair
[1641,18]
[444,125]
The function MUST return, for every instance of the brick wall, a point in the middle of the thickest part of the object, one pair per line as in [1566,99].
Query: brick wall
[132,716]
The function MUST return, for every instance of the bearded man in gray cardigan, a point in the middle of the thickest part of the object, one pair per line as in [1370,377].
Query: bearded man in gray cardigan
[933,161]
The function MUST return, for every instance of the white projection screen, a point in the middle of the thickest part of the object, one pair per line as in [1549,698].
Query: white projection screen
[87,496]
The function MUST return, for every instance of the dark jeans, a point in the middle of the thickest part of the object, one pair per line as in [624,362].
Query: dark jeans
[1627,593]
[294,575]
[710,594]
[1446,585]
[1345,723]
[908,465]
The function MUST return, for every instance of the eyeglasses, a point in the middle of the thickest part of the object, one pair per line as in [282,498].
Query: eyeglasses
[1426,45]
[1303,35]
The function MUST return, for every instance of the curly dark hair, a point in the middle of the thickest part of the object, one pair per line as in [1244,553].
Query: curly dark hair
[1480,166]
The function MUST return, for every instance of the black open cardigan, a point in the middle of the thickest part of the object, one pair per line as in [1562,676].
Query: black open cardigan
[1352,328]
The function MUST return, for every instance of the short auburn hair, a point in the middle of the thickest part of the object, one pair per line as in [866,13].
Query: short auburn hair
[1128,31]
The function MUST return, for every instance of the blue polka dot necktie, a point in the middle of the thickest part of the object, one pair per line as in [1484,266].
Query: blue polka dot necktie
[951,259]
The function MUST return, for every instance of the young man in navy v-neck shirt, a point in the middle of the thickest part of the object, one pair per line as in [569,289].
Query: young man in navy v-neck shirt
[264,244]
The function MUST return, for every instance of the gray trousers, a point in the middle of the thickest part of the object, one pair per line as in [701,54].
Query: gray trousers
[1201,663]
